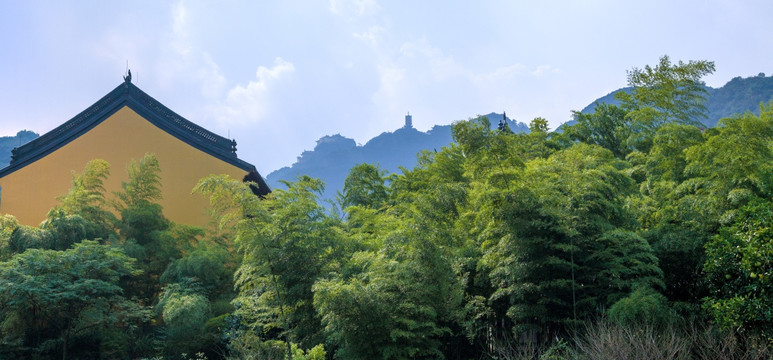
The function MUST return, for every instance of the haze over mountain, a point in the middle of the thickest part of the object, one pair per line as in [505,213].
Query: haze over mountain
[736,97]
[334,155]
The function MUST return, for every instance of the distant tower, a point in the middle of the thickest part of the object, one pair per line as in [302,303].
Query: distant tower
[408,121]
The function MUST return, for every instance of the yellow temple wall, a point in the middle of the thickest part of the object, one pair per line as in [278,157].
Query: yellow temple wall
[28,193]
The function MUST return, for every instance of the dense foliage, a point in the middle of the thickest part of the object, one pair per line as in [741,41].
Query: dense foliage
[633,219]
[110,276]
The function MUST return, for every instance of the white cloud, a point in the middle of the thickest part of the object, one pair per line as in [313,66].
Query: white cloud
[543,69]
[180,42]
[212,79]
[440,65]
[390,78]
[250,103]
[354,8]
[424,76]
[500,75]
[509,71]
[118,48]
[182,62]
[444,67]
[371,35]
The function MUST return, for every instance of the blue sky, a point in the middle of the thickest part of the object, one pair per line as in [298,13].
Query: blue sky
[277,75]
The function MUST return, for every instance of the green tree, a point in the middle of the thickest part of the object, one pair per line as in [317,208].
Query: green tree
[666,161]
[364,186]
[429,201]
[51,297]
[624,262]
[86,199]
[549,236]
[487,155]
[726,169]
[144,232]
[80,214]
[209,265]
[144,183]
[536,143]
[739,267]
[666,222]
[608,126]
[286,241]
[644,306]
[398,306]
[169,255]
[141,216]
[8,226]
[544,230]
[184,310]
[667,92]
[733,164]
[663,94]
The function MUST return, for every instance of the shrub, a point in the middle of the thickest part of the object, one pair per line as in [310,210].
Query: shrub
[642,306]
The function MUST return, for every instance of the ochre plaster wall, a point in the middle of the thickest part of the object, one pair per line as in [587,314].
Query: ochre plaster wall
[28,193]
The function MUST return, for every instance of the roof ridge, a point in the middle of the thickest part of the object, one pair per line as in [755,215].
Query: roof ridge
[21,153]
[127,94]
[190,129]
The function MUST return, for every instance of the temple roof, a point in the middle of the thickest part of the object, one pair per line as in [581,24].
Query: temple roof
[127,94]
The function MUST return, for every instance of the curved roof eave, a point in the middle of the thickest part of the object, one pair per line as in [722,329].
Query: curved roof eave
[127,94]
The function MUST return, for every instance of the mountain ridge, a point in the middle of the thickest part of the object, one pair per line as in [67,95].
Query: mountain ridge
[735,97]
[334,155]
[331,163]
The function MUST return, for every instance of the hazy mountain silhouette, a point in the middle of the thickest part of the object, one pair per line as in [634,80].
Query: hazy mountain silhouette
[7,143]
[334,155]
[737,96]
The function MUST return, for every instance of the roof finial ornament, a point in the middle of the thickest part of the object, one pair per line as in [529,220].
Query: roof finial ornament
[128,76]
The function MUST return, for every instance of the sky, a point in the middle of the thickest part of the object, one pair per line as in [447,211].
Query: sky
[278,75]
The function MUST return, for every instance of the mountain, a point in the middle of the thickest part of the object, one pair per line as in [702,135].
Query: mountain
[334,155]
[739,95]
[7,143]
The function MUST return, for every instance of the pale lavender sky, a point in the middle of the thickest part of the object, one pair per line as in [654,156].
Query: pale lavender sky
[277,75]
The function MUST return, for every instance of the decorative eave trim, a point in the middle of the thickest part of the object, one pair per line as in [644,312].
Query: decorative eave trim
[127,94]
